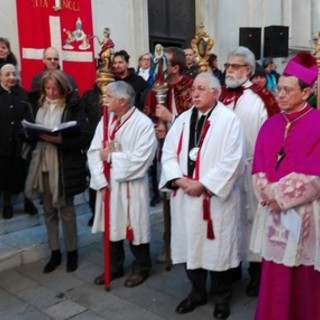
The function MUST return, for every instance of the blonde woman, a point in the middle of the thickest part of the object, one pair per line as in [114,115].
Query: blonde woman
[57,170]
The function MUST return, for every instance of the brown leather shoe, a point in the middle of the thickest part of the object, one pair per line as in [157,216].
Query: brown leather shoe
[114,275]
[135,279]
[99,280]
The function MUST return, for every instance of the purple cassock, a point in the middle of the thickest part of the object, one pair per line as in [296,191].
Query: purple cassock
[289,144]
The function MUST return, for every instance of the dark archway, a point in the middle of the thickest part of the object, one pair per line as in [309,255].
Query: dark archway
[171,22]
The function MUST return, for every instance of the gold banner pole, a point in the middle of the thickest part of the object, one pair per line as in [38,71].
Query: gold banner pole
[316,53]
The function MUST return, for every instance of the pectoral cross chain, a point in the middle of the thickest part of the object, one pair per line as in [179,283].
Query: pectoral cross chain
[288,126]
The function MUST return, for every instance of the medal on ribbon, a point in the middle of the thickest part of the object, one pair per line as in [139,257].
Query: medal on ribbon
[193,153]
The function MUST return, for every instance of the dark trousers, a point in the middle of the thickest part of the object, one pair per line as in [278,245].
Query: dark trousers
[141,253]
[153,173]
[92,200]
[67,214]
[221,284]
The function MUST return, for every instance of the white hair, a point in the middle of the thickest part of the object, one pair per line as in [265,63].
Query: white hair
[123,90]
[213,81]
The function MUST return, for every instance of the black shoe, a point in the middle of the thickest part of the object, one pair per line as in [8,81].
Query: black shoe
[54,262]
[189,304]
[90,222]
[29,207]
[156,199]
[221,311]
[72,261]
[7,212]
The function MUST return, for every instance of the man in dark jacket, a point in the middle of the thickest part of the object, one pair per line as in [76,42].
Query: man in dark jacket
[51,62]
[121,70]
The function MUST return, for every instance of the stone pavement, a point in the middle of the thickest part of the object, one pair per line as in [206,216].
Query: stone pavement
[26,293]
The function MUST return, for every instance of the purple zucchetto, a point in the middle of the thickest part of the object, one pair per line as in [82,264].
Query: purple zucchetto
[304,67]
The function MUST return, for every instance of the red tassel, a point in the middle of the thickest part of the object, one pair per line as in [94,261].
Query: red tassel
[206,207]
[210,233]
[129,235]
[306,59]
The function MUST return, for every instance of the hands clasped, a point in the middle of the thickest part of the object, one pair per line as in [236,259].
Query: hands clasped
[191,187]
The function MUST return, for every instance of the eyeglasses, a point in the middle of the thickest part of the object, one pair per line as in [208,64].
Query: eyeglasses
[234,66]
[52,59]
[286,90]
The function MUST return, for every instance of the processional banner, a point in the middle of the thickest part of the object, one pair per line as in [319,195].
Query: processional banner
[63,24]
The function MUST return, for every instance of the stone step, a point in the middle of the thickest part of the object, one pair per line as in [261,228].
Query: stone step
[23,238]
[22,220]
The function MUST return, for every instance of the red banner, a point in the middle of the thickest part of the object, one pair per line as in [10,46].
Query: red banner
[63,24]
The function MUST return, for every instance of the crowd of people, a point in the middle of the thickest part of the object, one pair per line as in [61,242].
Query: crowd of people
[232,155]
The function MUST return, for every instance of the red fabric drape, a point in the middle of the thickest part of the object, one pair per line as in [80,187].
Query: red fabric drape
[35,34]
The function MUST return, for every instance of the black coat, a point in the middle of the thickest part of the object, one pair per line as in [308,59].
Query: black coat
[72,169]
[140,86]
[14,107]
[93,110]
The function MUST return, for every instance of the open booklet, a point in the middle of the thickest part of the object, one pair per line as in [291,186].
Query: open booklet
[66,128]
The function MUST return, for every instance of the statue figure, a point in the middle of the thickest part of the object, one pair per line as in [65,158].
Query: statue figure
[107,50]
[316,41]
[161,66]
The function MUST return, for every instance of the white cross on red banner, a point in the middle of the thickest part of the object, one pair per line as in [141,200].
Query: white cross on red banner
[68,29]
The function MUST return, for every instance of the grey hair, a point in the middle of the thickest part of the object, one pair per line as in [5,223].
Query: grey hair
[145,54]
[247,54]
[123,90]
[213,81]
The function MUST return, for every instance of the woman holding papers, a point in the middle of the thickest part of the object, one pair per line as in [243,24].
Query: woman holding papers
[57,170]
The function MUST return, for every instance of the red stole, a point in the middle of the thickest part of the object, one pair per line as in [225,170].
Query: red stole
[206,198]
[229,95]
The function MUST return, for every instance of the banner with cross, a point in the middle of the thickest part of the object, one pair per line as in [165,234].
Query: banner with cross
[63,24]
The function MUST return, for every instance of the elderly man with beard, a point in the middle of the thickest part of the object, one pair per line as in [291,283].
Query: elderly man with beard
[253,105]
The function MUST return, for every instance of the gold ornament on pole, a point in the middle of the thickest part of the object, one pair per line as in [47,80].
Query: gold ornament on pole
[201,45]
[316,53]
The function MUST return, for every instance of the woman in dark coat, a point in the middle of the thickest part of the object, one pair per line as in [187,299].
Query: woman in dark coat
[13,109]
[57,168]
[6,55]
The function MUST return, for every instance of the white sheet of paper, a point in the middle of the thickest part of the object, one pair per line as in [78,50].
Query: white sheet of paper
[291,220]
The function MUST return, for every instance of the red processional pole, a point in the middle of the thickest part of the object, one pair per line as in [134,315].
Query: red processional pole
[104,78]
[106,204]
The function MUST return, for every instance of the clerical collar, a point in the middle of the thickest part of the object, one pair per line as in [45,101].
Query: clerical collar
[127,115]
[295,114]
[207,113]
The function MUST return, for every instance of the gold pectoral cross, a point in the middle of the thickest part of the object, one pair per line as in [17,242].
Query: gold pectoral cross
[280,156]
